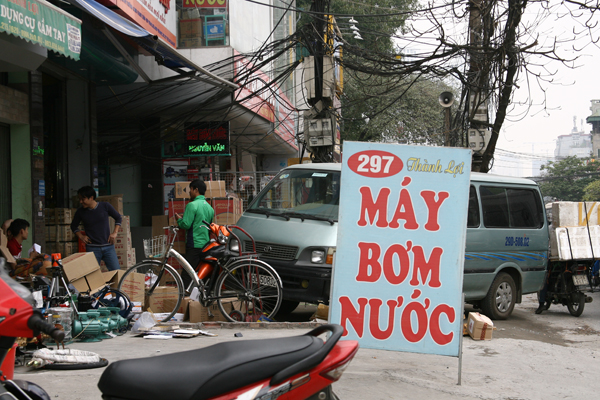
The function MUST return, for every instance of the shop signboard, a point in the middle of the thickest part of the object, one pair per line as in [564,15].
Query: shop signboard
[158,17]
[207,139]
[42,23]
[204,3]
[398,273]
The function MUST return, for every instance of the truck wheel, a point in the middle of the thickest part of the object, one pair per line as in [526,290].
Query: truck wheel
[576,304]
[500,300]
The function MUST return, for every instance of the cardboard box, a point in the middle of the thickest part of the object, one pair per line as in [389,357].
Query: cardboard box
[479,326]
[162,299]
[50,233]
[115,200]
[213,189]
[63,215]
[134,286]
[184,308]
[228,210]
[113,277]
[64,233]
[177,207]
[83,272]
[191,42]
[573,213]
[198,313]
[578,242]
[123,242]
[49,216]
[158,223]
[125,223]
[190,28]
[126,257]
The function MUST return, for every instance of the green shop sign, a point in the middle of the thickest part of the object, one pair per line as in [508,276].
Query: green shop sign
[42,23]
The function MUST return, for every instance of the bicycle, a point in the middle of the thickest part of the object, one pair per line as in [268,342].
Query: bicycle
[244,287]
[58,292]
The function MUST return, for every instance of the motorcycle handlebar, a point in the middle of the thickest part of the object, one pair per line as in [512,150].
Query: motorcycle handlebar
[37,323]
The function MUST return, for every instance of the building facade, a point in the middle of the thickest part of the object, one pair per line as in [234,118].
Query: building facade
[160,91]
[577,143]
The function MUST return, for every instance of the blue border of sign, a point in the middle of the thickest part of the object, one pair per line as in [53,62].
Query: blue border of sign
[398,274]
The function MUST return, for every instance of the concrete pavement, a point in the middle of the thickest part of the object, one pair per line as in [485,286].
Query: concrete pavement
[513,365]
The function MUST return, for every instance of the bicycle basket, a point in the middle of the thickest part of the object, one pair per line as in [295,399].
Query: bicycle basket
[155,247]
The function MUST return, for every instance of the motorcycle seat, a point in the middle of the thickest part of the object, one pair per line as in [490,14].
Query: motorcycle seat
[204,373]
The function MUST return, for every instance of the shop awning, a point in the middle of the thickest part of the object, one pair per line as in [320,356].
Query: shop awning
[40,22]
[168,57]
[164,53]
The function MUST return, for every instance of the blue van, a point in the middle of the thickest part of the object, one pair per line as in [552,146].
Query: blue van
[294,223]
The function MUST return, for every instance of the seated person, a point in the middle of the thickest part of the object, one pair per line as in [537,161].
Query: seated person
[36,263]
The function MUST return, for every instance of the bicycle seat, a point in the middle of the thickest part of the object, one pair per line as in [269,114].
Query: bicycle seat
[204,373]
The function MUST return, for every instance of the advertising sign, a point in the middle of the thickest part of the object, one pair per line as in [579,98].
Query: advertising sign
[397,279]
[204,3]
[156,16]
[207,139]
[42,23]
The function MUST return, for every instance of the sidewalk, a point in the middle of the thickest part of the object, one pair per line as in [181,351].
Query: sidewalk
[503,368]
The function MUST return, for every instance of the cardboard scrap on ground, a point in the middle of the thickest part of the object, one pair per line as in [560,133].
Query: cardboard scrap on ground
[172,331]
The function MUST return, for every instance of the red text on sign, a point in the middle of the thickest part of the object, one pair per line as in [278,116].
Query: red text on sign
[413,329]
[376,210]
[370,267]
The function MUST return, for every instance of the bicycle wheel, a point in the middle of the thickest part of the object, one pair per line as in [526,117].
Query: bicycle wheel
[110,297]
[251,288]
[163,298]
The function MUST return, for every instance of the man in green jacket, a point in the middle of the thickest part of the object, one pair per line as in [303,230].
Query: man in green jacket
[196,211]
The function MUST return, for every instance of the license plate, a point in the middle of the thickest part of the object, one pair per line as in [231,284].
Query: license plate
[580,280]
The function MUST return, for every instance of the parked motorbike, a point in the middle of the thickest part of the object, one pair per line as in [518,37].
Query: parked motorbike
[566,281]
[18,318]
[297,367]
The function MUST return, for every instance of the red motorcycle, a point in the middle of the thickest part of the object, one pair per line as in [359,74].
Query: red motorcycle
[297,367]
[18,318]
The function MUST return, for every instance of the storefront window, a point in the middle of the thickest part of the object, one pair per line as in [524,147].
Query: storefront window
[203,23]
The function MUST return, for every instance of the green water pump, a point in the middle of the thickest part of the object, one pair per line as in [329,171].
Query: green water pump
[87,328]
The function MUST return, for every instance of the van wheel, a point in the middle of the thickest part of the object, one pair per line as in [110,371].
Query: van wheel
[500,300]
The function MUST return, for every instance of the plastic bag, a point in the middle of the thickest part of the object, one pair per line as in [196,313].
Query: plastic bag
[146,320]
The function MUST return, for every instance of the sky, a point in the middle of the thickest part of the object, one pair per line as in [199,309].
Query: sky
[533,134]
[567,97]
[570,96]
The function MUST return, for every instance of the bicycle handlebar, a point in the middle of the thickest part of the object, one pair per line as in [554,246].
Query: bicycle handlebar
[37,323]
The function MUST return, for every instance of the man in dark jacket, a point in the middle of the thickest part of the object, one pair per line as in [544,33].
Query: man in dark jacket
[97,236]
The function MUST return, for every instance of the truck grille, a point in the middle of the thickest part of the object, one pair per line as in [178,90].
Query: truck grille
[273,251]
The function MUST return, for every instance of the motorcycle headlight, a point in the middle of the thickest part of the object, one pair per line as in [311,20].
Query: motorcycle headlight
[222,238]
[234,245]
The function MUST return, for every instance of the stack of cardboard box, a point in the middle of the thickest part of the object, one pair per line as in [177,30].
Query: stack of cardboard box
[123,247]
[228,209]
[575,230]
[59,236]
[190,32]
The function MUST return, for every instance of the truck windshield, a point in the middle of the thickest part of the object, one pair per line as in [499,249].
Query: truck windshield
[296,193]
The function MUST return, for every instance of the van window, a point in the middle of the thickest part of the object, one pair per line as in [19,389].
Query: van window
[511,208]
[473,213]
[308,192]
